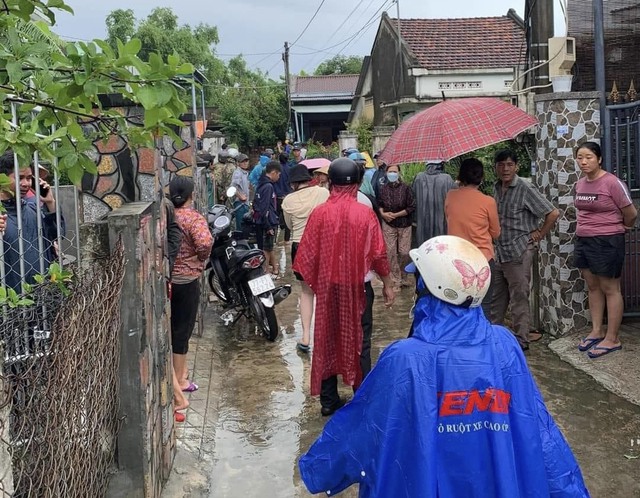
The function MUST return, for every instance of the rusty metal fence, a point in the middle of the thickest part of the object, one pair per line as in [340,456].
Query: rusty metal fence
[59,394]
[623,153]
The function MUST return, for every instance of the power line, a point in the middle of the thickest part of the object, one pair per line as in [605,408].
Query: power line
[359,33]
[265,58]
[240,87]
[269,70]
[309,23]
[364,29]
[346,19]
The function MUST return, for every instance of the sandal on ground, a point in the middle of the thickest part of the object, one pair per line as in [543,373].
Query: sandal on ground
[192,387]
[588,342]
[304,348]
[536,333]
[179,417]
[592,354]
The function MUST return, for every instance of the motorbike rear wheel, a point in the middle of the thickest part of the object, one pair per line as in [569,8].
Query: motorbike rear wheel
[216,286]
[265,318]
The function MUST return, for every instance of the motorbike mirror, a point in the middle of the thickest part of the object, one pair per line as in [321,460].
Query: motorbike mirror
[231,191]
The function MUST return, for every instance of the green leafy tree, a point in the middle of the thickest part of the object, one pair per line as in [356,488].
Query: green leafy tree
[50,88]
[121,25]
[251,106]
[340,64]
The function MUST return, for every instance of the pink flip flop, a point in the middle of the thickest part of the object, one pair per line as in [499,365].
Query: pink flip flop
[191,388]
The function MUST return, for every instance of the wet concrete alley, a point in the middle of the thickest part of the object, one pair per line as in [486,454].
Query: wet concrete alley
[252,417]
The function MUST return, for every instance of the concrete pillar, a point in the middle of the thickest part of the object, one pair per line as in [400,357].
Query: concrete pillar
[146,441]
[565,120]
[381,135]
[347,139]
[212,142]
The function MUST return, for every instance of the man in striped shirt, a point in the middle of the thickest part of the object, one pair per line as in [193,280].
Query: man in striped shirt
[520,209]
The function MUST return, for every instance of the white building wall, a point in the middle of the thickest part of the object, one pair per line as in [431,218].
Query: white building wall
[469,84]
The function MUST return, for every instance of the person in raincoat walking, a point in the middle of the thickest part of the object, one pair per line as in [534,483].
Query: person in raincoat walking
[450,412]
[341,243]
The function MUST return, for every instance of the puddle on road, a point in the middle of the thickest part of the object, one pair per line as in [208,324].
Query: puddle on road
[266,419]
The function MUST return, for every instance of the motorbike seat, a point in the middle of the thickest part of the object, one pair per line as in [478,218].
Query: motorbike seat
[243,254]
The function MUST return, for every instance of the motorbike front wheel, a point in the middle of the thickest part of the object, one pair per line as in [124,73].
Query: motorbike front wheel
[265,318]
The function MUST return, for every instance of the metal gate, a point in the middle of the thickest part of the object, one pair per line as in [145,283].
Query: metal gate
[623,159]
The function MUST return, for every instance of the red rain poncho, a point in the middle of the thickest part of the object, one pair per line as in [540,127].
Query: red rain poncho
[341,243]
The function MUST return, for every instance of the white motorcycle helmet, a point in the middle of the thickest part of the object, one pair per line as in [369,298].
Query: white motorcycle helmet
[453,269]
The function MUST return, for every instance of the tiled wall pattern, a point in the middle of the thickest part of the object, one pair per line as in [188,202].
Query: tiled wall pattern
[129,176]
[565,120]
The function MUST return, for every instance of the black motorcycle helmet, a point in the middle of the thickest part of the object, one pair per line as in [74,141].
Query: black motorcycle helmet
[344,171]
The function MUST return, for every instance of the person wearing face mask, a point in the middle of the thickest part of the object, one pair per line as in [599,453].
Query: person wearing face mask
[396,205]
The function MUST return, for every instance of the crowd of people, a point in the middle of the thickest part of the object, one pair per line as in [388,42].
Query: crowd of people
[507,227]
[472,261]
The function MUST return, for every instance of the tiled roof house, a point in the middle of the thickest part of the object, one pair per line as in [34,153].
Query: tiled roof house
[320,105]
[466,57]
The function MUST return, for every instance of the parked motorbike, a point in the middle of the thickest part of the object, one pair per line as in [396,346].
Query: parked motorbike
[237,276]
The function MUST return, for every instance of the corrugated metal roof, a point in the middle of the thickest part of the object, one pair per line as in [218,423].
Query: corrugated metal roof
[331,86]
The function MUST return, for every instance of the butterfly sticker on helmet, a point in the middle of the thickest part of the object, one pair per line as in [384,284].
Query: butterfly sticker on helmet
[469,276]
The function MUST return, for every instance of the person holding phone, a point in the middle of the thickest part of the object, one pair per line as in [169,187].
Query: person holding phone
[32,252]
[43,175]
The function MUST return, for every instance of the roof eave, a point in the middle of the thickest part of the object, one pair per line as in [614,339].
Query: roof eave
[423,71]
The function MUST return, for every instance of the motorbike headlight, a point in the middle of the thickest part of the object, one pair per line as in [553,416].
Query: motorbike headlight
[221,222]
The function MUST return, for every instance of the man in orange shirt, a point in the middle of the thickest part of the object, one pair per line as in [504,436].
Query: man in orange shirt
[473,215]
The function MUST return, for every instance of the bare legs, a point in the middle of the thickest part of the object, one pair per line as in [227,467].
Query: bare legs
[179,400]
[306,312]
[180,370]
[603,290]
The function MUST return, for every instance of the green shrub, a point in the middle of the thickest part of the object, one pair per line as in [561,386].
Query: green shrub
[364,130]
[316,149]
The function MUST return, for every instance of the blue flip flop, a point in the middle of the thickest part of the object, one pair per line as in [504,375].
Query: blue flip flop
[606,351]
[589,343]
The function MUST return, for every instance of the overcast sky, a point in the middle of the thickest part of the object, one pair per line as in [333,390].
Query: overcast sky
[258,28]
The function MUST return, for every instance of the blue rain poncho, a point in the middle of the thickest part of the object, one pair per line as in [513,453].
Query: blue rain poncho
[452,411]
[258,170]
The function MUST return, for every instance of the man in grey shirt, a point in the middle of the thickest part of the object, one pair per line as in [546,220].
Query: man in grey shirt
[520,209]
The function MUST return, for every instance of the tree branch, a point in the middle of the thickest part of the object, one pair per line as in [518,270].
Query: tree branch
[92,117]
[106,75]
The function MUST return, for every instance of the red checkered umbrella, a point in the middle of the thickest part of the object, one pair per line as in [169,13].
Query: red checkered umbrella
[455,127]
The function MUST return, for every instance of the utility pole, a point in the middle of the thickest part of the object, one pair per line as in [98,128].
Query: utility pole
[285,58]
[541,23]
